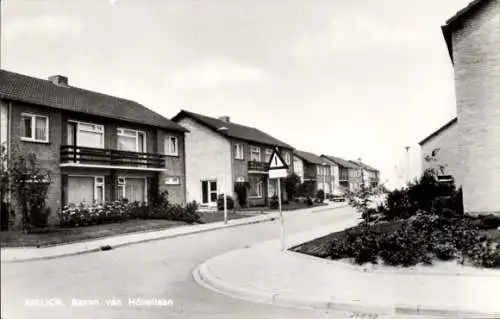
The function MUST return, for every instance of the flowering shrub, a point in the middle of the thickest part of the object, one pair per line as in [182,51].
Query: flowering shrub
[85,215]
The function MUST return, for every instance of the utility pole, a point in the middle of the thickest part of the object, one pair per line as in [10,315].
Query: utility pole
[407,164]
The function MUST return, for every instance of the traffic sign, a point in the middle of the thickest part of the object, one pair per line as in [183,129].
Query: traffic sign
[278,173]
[276,161]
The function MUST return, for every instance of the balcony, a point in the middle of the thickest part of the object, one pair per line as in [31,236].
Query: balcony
[72,156]
[254,166]
[309,177]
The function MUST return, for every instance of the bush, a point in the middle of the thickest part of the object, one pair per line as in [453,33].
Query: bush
[39,217]
[363,248]
[229,202]
[489,221]
[273,202]
[241,190]
[308,201]
[321,195]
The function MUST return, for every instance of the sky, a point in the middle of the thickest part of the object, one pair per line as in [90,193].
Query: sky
[354,79]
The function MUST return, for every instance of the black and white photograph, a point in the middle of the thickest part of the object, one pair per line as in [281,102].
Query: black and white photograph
[250,159]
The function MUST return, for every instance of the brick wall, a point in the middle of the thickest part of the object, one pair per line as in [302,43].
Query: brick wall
[476,52]
[175,165]
[48,154]
[447,143]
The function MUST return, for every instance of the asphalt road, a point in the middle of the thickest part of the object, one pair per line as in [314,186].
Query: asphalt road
[160,269]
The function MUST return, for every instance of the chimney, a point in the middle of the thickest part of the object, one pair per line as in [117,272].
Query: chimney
[225,119]
[59,80]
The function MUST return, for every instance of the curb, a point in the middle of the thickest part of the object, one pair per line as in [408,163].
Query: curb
[204,277]
[241,222]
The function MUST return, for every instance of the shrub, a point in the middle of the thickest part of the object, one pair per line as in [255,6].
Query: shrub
[321,195]
[292,186]
[308,201]
[241,190]
[363,248]
[273,202]
[489,221]
[229,202]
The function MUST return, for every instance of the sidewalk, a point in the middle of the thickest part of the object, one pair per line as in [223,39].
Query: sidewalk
[265,274]
[31,253]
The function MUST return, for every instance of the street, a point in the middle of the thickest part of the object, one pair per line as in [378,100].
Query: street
[160,270]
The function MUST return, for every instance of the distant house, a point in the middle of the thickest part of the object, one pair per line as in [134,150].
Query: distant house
[315,170]
[98,147]
[370,176]
[469,146]
[349,173]
[223,153]
[439,151]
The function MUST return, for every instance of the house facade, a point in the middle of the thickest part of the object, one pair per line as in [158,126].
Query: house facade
[98,148]
[349,173]
[439,151]
[470,145]
[370,176]
[315,170]
[223,154]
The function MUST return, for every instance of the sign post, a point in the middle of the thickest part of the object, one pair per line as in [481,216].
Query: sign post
[277,170]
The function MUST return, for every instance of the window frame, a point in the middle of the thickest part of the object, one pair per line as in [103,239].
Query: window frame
[123,186]
[287,157]
[261,188]
[241,148]
[33,138]
[78,127]
[253,148]
[178,180]
[166,149]
[137,132]
[267,151]
[98,184]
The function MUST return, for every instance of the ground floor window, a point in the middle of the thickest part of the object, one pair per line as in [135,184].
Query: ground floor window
[209,192]
[256,187]
[273,188]
[131,189]
[85,189]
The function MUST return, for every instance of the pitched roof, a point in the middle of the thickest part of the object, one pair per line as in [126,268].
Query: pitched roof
[233,130]
[23,88]
[310,157]
[457,19]
[365,166]
[438,131]
[340,161]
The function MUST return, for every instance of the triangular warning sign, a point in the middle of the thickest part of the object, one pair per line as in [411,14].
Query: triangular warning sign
[277,162]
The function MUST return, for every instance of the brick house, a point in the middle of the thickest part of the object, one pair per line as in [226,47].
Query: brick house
[223,153]
[349,173]
[444,146]
[470,145]
[315,170]
[98,147]
[370,176]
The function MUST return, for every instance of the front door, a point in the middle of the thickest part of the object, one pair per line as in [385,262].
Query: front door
[209,192]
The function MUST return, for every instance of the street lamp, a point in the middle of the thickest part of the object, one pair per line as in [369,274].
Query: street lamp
[225,129]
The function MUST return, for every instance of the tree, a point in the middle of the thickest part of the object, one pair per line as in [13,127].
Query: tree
[292,186]
[361,200]
[29,186]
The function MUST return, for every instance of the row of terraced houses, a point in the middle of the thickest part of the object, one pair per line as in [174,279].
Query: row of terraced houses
[104,148]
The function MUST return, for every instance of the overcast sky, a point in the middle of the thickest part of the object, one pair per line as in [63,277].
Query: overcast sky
[355,79]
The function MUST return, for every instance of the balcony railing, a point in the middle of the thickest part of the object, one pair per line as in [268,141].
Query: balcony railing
[258,166]
[108,157]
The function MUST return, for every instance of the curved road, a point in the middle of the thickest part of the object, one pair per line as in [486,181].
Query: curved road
[160,269]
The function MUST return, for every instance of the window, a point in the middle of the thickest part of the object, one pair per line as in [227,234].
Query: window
[85,134]
[86,189]
[240,179]
[287,158]
[131,140]
[256,186]
[255,153]
[132,189]
[239,151]
[34,128]
[171,146]
[172,180]
[268,154]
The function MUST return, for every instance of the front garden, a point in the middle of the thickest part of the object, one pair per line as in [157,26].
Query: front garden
[419,224]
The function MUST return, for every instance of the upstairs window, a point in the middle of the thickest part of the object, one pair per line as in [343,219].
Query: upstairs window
[34,128]
[171,146]
[255,153]
[287,158]
[239,151]
[85,134]
[131,140]
[268,154]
